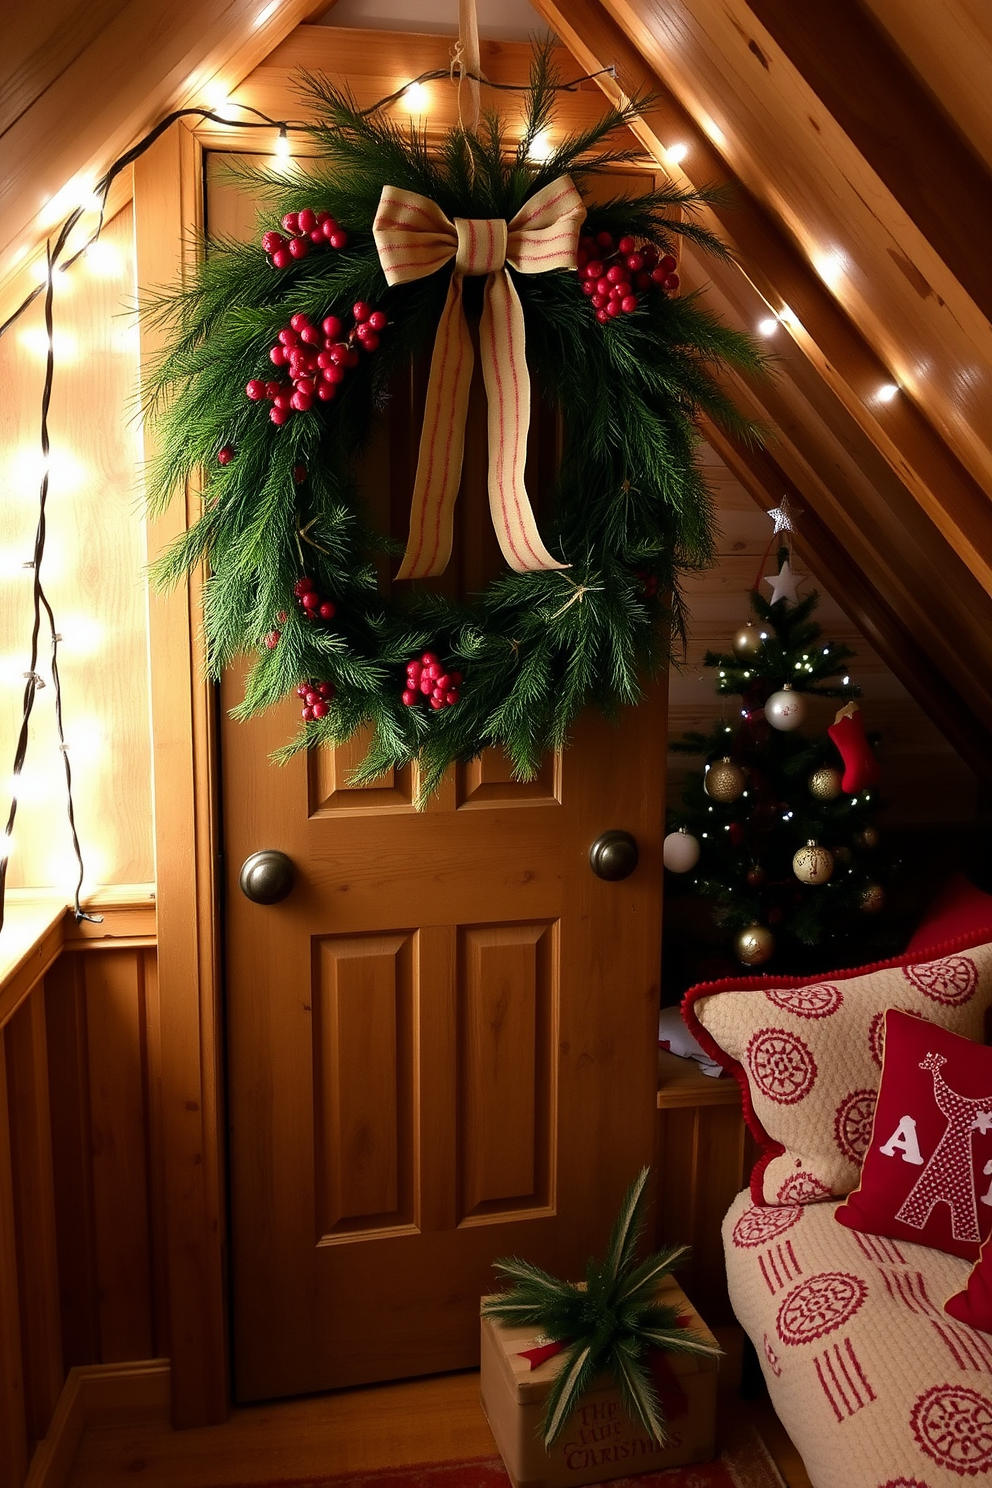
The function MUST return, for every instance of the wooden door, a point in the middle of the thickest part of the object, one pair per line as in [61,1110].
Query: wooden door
[442,1045]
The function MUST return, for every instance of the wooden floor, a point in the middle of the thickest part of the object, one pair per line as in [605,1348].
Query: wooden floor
[379,1426]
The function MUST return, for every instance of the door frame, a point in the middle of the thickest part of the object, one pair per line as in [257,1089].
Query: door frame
[169,208]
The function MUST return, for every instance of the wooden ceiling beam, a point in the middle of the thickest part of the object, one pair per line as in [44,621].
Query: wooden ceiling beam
[80,93]
[778,139]
[907,140]
[954,501]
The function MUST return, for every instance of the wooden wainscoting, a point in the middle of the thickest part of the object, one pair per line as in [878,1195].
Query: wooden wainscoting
[81,1277]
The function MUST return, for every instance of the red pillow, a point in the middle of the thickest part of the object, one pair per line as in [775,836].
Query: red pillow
[973,1305]
[959,912]
[925,1176]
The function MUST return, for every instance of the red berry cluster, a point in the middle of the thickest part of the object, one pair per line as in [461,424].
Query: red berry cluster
[613,273]
[316,698]
[317,359]
[225,454]
[649,581]
[427,678]
[312,602]
[307,230]
[274,636]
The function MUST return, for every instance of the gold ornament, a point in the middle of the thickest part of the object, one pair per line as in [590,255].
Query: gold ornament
[867,837]
[825,783]
[813,864]
[724,781]
[747,643]
[872,898]
[754,945]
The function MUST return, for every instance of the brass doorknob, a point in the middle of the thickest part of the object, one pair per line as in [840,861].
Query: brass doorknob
[267,876]
[613,855]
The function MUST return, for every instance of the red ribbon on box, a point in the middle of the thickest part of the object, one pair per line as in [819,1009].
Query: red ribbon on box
[671,1396]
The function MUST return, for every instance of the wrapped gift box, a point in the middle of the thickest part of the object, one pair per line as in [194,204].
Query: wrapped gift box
[600,1441]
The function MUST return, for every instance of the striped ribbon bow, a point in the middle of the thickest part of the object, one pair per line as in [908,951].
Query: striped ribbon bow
[415,239]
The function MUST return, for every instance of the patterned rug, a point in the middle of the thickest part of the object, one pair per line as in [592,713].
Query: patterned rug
[743,1463]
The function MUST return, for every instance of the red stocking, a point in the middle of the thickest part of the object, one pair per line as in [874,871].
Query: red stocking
[860,764]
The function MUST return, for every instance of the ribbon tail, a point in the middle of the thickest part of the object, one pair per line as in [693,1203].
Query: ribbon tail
[502,346]
[442,444]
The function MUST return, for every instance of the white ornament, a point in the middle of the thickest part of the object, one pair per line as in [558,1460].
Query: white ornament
[786,710]
[681,851]
[784,584]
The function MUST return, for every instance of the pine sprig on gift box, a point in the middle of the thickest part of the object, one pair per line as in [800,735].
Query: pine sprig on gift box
[608,1324]
[632,512]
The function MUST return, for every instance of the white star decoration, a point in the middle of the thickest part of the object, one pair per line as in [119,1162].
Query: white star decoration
[982,1122]
[784,584]
[783,516]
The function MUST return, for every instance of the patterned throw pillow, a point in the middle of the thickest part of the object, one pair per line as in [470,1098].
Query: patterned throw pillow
[973,1304]
[808,1056]
[927,1174]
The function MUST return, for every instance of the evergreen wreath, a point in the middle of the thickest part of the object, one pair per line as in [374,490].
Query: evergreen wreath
[291,556]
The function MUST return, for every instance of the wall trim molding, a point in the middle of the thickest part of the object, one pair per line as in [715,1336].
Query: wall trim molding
[39,928]
[98,1395]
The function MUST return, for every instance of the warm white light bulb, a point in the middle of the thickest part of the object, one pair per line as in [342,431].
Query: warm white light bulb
[15,563]
[282,149]
[541,148]
[416,97]
[82,635]
[35,340]
[768,327]
[887,392]
[75,193]
[830,266]
[219,100]
[28,786]
[676,153]
[104,260]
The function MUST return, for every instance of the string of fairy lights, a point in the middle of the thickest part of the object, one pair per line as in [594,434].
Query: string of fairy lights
[58,260]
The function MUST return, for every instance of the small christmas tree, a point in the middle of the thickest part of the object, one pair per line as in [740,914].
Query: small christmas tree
[778,829]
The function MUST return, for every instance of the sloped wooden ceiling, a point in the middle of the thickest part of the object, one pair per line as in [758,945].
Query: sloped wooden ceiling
[859,215]
[858,156]
[82,80]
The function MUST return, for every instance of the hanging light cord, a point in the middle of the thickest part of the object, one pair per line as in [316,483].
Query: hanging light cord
[32,679]
[53,261]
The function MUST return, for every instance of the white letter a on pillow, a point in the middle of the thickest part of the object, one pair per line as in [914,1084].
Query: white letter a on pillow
[904,1139]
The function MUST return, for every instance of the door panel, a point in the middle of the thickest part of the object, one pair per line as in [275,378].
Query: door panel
[507,1013]
[363,1062]
[442,1044]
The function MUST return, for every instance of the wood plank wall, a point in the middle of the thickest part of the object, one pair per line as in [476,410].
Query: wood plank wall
[81,1268]
[93,573]
[924,782]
